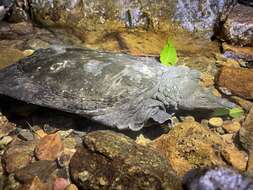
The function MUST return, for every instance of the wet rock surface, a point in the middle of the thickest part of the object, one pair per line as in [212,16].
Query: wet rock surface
[113,161]
[236,81]
[238,27]
[237,52]
[189,145]
[199,16]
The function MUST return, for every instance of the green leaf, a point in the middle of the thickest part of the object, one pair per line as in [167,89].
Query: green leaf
[168,55]
[236,112]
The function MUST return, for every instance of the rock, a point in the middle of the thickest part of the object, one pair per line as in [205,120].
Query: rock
[110,160]
[26,135]
[28,52]
[237,159]
[35,184]
[232,127]
[236,81]
[19,11]
[142,140]
[18,155]
[49,147]
[228,138]
[43,169]
[245,104]
[6,127]
[238,27]
[60,184]
[216,122]
[5,141]
[238,52]
[246,138]
[11,183]
[216,178]
[71,187]
[190,145]
[197,16]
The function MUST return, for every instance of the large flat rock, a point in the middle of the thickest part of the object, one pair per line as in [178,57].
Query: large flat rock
[110,160]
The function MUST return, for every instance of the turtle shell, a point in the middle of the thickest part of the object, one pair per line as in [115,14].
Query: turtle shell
[81,81]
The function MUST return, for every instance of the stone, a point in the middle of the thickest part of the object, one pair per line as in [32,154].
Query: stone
[216,178]
[60,184]
[110,160]
[71,187]
[246,138]
[6,127]
[245,104]
[238,159]
[228,138]
[43,169]
[9,56]
[232,127]
[49,147]
[216,122]
[18,155]
[189,145]
[5,141]
[196,16]
[142,140]
[35,184]
[26,135]
[238,27]
[238,52]
[236,81]
[28,52]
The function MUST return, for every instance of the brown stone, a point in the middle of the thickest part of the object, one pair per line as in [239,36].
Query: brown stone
[60,184]
[236,158]
[245,104]
[236,81]
[49,147]
[71,187]
[238,52]
[43,169]
[238,27]
[110,160]
[232,126]
[246,138]
[18,155]
[6,127]
[190,145]
[35,184]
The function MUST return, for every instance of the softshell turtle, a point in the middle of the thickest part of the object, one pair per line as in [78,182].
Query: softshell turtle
[117,90]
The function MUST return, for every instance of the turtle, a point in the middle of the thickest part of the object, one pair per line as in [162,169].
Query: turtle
[114,89]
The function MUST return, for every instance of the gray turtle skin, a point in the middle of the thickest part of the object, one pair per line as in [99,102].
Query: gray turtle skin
[116,90]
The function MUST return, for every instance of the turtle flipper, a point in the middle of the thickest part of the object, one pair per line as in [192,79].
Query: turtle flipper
[134,115]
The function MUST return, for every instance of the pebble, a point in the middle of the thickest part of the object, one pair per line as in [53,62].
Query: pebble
[71,187]
[28,52]
[49,147]
[232,127]
[60,184]
[5,141]
[26,135]
[142,140]
[215,122]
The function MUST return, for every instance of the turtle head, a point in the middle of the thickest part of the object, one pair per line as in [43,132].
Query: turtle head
[203,99]
[179,88]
